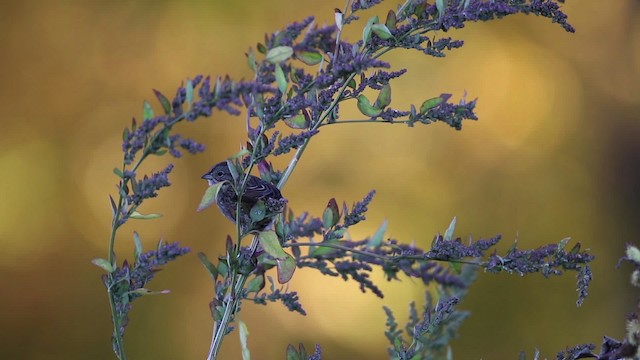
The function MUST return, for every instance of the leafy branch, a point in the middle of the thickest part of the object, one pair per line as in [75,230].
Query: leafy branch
[302,81]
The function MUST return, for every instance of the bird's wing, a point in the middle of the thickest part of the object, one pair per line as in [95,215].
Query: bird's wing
[260,189]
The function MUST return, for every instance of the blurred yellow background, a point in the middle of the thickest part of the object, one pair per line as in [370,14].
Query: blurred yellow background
[555,154]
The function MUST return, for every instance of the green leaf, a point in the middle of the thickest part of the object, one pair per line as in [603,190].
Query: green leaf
[331,214]
[391,20]
[292,353]
[294,79]
[138,216]
[412,116]
[223,268]
[338,18]
[217,87]
[448,235]
[137,245]
[457,267]
[271,244]
[118,172]
[285,267]
[239,154]
[189,88]
[397,344]
[297,122]
[337,234]
[382,31]
[244,334]
[210,196]
[366,108]
[430,104]
[440,5]
[166,104]
[125,133]
[376,240]
[281,79]
[233,169]
[143,292]
[278,38]
[103,264]
[323,250]
[366,32]
[633,253]
[303,351]
[258,211]
[256,284]
[251,60]
[384,97]
[563,243]
[114,208]
[279,226]
[261,48]
[147,110]
[309,57]
[213,271]
[420,10]
[352,83]
[279,54]
[575,249]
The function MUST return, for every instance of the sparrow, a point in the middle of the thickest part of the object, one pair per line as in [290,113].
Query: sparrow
[256,190]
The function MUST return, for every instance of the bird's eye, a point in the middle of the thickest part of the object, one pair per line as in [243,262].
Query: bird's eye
[220,174]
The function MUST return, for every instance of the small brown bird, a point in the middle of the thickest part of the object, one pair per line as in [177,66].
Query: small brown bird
[256,191]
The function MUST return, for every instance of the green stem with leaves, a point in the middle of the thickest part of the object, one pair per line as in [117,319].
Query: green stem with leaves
[381,257]
[238,281]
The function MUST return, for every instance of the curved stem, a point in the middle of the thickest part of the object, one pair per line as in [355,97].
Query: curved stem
[383,257]
[117,338]
[116,327]
[294,161]
[119,342]
[235,294]
[365,121]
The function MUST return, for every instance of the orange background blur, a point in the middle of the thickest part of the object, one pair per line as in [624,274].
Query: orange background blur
[555,154]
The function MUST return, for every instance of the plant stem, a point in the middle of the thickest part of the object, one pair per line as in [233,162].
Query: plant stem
[366,121]
[119,342]
[235,292]
[294,161]
[383,257]
[220,328]
[116,327]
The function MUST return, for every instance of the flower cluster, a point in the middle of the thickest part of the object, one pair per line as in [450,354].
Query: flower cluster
[358,210]
[293,141]
[128,282]
[442,249]
[355,259]
[432,331]
[548,260]
[148,187]
[289,299]
[301,353]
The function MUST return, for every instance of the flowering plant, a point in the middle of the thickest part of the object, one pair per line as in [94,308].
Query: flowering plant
[303,75]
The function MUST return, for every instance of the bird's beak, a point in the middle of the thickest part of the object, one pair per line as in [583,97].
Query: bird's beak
[209,177]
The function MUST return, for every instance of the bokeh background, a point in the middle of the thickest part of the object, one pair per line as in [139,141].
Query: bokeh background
[555,154]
